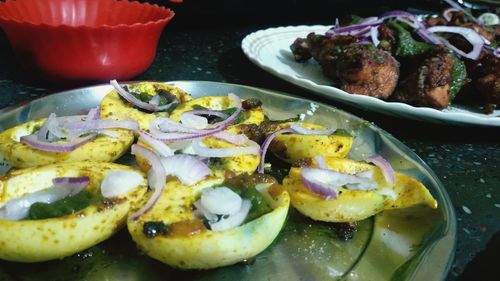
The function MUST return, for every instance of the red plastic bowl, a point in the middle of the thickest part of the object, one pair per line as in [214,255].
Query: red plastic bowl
[80,40]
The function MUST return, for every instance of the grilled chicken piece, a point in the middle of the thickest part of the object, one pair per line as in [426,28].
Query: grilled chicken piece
[355,68]
[365,70]
[429,83]
[487,80]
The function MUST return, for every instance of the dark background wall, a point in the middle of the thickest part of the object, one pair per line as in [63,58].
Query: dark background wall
[198,13]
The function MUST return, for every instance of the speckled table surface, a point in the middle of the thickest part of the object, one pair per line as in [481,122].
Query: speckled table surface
[466,159]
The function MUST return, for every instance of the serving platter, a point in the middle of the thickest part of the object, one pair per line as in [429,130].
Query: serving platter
[270,50]
[411,244]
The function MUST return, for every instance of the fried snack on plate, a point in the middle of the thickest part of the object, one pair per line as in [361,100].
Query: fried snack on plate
[72,206]
[142,101]
[104,147]
[181,231]
[252,110]
[307,141]
[191,126]
[362,190]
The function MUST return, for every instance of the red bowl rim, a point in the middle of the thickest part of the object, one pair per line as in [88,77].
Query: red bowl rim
[170,15]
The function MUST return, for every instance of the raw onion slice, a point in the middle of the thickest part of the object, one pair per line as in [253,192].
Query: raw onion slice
[221,201]
[202,150]
[234,116]
[369,184]
[320,160]
[201,213]
[73,184]
[137,102]
[43,132]
[228,222]
[18,208]
[385,167]
[265,146]
[294,128]
[459,8]
[304,131]
[194,121]
[238,139]
[155,100]
[374,35]
[156,178]
[470,35]
[33,141]
[165,129]
[209,112]
[158,146]
[176,137]
[119,182]
[157,172]
[163,125]
[325,182]
[447,13]
[494,51]
[87,126]
[188,169]
[149,204]
[428,37]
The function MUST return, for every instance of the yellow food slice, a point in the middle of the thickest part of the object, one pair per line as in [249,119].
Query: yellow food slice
[19,155]
[252,116]
[244,163]
[205,249]
[354,205]
[54,238]
[292,147]
[114,107]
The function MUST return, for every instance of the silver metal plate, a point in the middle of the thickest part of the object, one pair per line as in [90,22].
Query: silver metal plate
[411,244]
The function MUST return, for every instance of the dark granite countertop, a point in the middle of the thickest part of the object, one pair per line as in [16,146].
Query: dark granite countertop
[466,159]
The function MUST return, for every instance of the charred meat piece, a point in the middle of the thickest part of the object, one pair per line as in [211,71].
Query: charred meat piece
[356,68]
[488,80]
[301,49]
[430,81]
[322,48]
[388,38]
[365,70]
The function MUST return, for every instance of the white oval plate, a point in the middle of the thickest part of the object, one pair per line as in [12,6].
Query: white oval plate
[270,50]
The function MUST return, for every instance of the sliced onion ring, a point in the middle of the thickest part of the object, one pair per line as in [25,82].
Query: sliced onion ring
[385,167]
[470,35]
[209,112]
[325,182]
[137,102]
[265,146]
[156,178]
[18,208]
[119,182]
[165,129]
[309,178]
[304,131]
[459,8]
[188,169]
[447,13]
[320,160]
[158,146]
[201,150]
[33,141]
[374,35]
